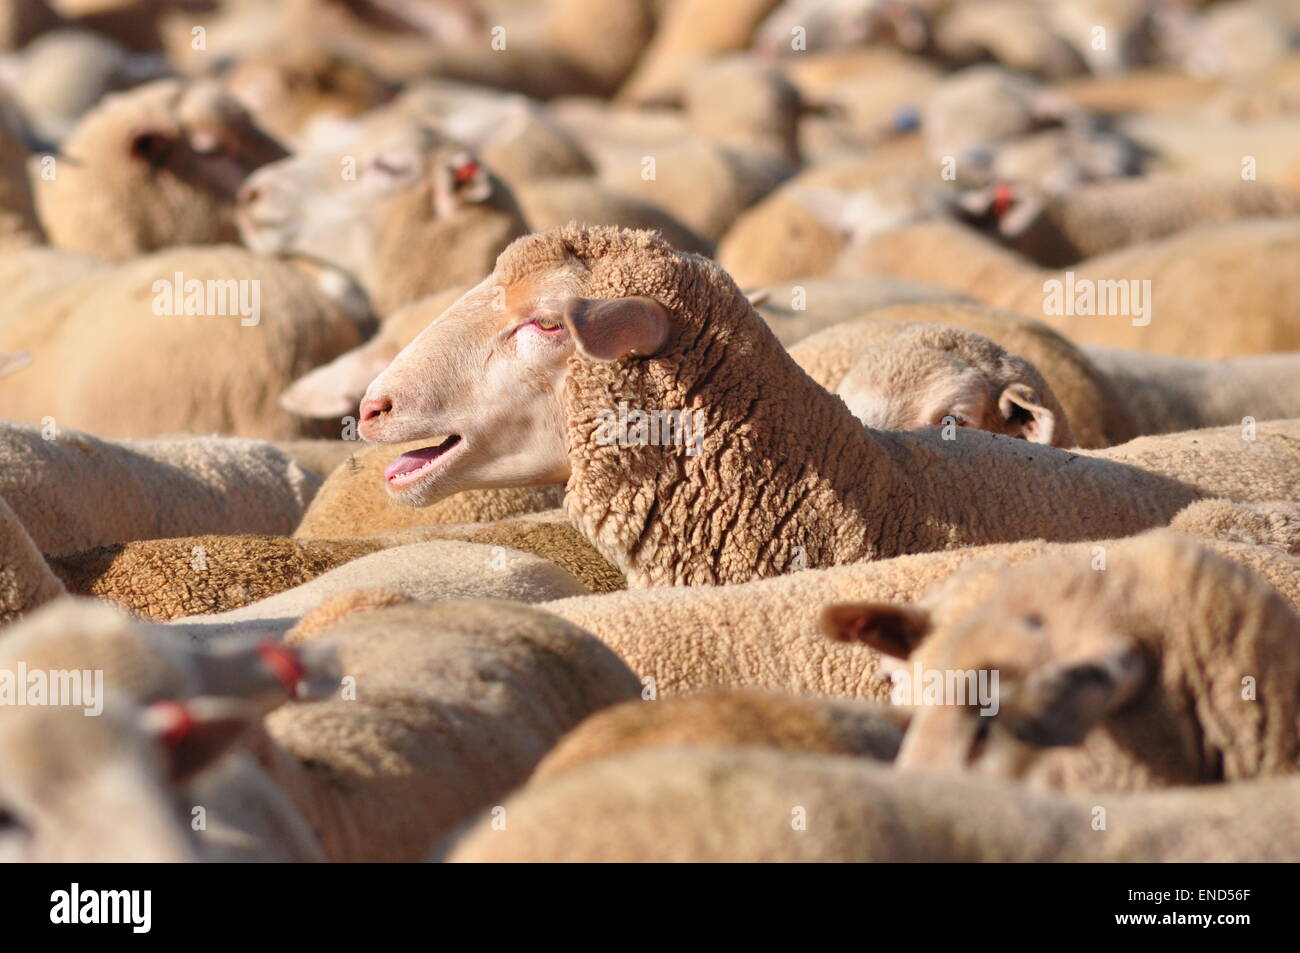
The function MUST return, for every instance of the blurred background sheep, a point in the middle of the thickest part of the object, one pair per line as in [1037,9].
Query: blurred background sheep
[225,223]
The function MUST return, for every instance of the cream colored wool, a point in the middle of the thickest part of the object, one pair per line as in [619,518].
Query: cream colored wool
[760,635]
[319,456]
[797,310]
[740,102]
[1095,407]
[1165,394]
[825,486]
[75,491]
[688,33]
[1102,217]
[552,202]
[165,579]
[454,705]
[354,502]
[1171,665]
[26,582]
[1210,145]
[780,239]
[152,168]
[1275,524]
[1231,265]
[434,571]
[144,373]
[736,805]
[730,719]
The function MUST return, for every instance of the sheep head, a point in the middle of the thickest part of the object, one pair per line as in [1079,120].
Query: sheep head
[151,168]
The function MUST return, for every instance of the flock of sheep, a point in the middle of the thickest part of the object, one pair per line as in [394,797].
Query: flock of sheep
[618,430]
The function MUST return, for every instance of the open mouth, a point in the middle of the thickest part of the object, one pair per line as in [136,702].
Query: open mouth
[416,464]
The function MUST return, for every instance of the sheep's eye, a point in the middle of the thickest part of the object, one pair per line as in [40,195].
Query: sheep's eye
[1034,620]
[547,324]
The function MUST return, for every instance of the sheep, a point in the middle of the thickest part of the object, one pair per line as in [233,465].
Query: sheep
[152,765]
[165,579]
[550,203]
[395,198]
[760,805]
[1231,264]
[26,582]
[1139,90]
[214,317]
[837,25]
[780,238]
[150,168]
[334,390]
[1274,524]
[1260,150]
[739,102]
[702,184]
[1236,39]
[1097,412]
[438,570]
[800,309]
[931,375]
[724,719]
[688,32]
[64,73]
[352,502]
[1059,230]
[287,89]
[1012,32]
[73,491]
[454,704]
[1169,666]
[586,335]
[1167,394]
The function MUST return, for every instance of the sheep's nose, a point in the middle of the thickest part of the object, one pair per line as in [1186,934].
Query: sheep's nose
[370,409]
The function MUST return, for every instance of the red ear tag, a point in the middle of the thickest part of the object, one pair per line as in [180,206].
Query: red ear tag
[180,720]
[1004,196]
[284,665]
[465,172]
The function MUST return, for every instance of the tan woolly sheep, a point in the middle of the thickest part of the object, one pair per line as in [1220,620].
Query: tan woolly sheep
[73,491]
[758,805]
[165,579]
[452,706]
[1275,524]
[1165,665]
[600,324]
[1059,230]
[1095,407]
[929,375]
[26,582]
[724,719]
[150,168]
[1232,265]
[211,318]
[382,208]
[434,571]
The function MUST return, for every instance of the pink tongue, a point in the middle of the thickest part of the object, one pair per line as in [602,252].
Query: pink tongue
[413,460]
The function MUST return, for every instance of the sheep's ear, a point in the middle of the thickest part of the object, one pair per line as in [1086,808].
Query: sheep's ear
[195,733]
[892,630]
[459,180]
[614,328]
[1060,703]
[151,145]
[1024,416]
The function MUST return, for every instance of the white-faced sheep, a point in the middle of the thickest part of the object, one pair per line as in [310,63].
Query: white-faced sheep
[1096,408]
[595,318]
[742,805]
[933,375]
[153,167]
[1167,665]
